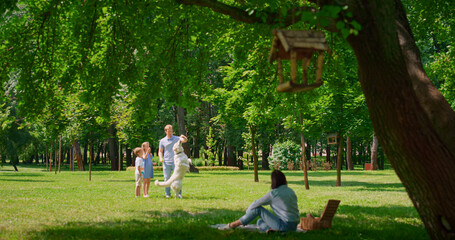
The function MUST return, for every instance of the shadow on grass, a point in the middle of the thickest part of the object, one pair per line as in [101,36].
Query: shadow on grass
[240,172]
[331,173]
[126,180]
[19,174]
[363,186]
[150,225]
[355,222]
[23,180]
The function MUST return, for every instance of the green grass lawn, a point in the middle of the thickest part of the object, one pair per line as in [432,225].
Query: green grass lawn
[35,204]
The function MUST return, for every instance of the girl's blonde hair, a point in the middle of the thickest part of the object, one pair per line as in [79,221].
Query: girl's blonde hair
[136,151]
[143,144]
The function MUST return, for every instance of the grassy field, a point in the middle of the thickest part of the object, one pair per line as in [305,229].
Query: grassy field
[35,204]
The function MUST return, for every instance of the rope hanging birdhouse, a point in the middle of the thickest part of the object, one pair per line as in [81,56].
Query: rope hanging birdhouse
[295,46]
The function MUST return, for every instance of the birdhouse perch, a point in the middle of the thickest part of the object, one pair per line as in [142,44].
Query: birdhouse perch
[294,46]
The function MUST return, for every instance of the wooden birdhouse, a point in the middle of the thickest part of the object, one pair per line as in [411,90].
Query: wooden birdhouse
[332,138]
[295,46]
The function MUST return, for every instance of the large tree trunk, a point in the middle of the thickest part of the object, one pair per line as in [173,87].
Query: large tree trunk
[113,147]
[374,153]
[412,120]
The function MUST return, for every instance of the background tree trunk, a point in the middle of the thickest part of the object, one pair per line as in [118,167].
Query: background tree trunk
[129,160]
[59,153]
[374,153]
[113,147]
[77,148]
[265,156]
[304,159]
[339,159]
[255,156]
[230,156]
[349,153]
[327,152]
[240,161]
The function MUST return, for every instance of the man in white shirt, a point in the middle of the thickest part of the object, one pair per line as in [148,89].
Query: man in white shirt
[166,155]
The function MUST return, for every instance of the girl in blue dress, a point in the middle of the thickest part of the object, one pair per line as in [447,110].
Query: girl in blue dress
[148,168]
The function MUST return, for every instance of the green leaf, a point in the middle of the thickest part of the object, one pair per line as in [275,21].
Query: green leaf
[356,25]
[345,32]
[324,22]
[340,25]
[307,16]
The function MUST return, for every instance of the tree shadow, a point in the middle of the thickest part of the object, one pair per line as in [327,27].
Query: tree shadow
[351,222]
[331,173]
[19,174]
[361,186]
[23,180]
[149,225]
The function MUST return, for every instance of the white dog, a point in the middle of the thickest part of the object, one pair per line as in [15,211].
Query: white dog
[182,165]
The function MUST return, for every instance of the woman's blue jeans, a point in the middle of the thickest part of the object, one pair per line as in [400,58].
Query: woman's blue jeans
[267,220]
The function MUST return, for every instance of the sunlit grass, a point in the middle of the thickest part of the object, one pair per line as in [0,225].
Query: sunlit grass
[36,204]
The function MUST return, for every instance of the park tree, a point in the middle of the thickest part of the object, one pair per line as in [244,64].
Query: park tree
[411,118]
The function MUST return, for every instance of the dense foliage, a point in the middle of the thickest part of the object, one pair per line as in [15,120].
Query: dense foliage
[71,69]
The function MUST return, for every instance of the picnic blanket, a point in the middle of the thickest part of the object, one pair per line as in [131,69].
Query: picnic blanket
[249,227]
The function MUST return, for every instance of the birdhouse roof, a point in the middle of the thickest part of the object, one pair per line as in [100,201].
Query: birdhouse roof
[305,43]
[330,135]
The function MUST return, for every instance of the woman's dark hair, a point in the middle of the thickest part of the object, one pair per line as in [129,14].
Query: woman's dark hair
[278,179]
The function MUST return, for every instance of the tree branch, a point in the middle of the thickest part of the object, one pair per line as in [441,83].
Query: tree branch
[236,13]
[292,16]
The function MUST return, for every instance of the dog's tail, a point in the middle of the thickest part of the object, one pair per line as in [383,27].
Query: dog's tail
[167,183]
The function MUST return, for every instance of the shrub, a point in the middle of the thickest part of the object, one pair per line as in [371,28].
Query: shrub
[197,162]
[285,155]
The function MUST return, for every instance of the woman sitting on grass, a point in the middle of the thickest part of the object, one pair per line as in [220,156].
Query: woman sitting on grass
[283,202]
